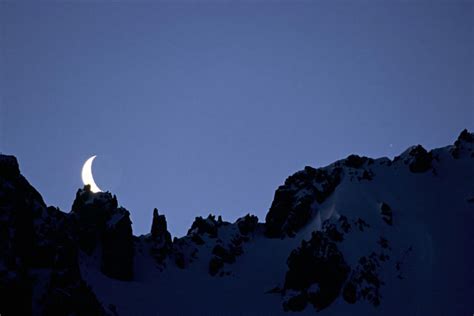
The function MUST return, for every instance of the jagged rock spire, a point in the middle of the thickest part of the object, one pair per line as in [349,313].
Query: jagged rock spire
[158,226]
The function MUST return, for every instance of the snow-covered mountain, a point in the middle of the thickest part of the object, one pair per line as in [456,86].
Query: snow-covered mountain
[361,236]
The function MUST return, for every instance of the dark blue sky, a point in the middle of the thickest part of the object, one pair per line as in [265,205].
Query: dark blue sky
[208,107]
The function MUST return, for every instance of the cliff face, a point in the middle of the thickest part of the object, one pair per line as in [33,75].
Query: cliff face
[100,225]
[361,236]
[39,267]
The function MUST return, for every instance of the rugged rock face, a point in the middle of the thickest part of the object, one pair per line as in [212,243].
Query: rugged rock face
[297,200]
[317,269]
[316,272]
[203,232]
[421,161]
[98,221]
[17,238]
[417,158]
[36,238]
[464,143]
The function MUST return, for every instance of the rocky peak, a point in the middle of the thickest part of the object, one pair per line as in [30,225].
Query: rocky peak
[9,166]
[86,200]
[160,238]
[463,144]
[465,137]
[97,219]
[159,225]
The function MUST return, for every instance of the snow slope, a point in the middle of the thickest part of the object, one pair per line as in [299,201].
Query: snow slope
[432,237]
[359,237]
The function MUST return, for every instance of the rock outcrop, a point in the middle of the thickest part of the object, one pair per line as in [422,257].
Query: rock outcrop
[297,200]
[100,224]
[160,238]
[208,226]
[316,273]
[247,224]
[417,158]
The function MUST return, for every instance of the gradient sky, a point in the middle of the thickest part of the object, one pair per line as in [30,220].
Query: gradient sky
[208,106]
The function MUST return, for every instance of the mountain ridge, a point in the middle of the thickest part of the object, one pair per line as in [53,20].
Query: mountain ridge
[316,247]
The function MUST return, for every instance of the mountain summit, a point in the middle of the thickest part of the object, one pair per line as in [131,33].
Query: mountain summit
[361,236]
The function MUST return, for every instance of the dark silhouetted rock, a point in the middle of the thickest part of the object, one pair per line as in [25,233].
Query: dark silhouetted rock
[34,237]
[296,302]
[318,273]
[466,137]
[465,140]
[421,159]
[160,238]
[197,239]
[317,262]
[355,161]
[66,298]
[247,224]
[118,248]
[350,293]
[180,261]
[208,226]
[223,253]
[387,214]
[97,219]
[365,282]
[9,168]
[295,202]
[184,251]
[215,265]
[158,226]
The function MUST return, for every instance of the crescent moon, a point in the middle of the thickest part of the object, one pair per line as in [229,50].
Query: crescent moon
[87,177]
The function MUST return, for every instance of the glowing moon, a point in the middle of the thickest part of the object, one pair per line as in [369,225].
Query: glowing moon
[87,177]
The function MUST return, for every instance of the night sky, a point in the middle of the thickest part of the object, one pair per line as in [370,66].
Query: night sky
[203,107]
